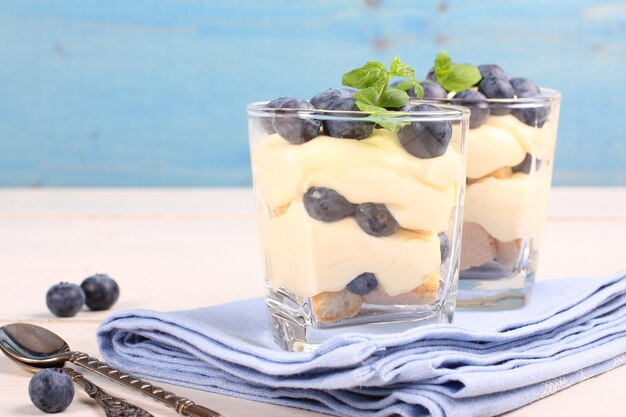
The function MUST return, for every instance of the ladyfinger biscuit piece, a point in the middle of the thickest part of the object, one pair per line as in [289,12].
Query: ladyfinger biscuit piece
[424,294]
[500,173]
[507,253]
[477,246]
[332,306]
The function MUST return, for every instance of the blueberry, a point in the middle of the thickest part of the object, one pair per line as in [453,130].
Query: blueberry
[426,139]
[432,90]
[444,246]
[521,85]
[492,70]
[266,122]
[533,116]
[65,300]
[323,99]
[101,292]
[431,75]
[363,284]
[526,165]
[346,129]
[497,87]
[51,390]
[327,205]
[292,126]
[476,102]
[375,219]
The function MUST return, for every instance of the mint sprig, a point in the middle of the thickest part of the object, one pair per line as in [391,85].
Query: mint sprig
[455,77]
[376,96]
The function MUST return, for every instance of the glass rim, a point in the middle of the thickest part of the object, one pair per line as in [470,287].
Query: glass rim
[549,97]
[449,112]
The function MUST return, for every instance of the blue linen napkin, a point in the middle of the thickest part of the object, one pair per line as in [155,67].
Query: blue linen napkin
[487,363]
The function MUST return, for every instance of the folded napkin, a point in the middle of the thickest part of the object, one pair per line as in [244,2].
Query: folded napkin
[487,363]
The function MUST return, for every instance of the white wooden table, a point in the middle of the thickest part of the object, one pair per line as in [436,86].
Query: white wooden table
[183,248]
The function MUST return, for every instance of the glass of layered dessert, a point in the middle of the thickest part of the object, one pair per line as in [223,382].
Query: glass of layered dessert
[359,214]
[510,150]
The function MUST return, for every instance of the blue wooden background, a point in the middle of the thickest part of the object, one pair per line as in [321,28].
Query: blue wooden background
[152,93]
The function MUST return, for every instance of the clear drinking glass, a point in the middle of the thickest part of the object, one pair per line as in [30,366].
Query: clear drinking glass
[357,235]
[510,150]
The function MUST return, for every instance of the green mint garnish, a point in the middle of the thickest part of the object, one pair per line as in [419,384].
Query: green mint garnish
[376,96]
[455,77]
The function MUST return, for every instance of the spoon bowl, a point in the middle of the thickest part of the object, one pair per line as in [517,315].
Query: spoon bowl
[33,347]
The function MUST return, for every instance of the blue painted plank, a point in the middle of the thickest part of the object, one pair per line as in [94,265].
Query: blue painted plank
[153,93]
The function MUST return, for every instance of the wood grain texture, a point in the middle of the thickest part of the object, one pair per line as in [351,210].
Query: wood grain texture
[152,93]
[205,241]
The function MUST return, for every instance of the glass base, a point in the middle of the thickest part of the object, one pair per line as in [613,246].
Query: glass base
[498,286]
[295,329]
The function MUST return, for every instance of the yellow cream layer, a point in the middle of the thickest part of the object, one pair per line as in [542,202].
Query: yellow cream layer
[510,208]
[420,193]
[503,141]
[308,256]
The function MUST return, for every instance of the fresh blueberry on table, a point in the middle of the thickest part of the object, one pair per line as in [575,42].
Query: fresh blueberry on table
[327,205]
[492,70]
[444,246]
[322,100]
[51,390]
[497,87]
[426,139]
[431,75]
[375,219]
[526,165]
[101,292]
[65,300]
[363,284]
[432,90]
[476,102]
[266,122]
[343,128]
[291,126]
[522,85]
[533,116]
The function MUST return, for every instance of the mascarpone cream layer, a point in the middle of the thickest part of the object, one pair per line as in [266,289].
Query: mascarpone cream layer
[510,208]
[503,141]
[308,256]
[420,193]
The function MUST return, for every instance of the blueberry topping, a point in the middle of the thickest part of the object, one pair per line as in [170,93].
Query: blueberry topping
[266,122]
[327,205]
[492,70]
[51,390]
[291,126]
[101,292]
[323,99]
[497,87]
[526,165]
[444,246]
[346,129]
[533,116]
[476,102]
[363,284]
[522,85]
[375,219]
[432,90]
[65,300]
[426,139]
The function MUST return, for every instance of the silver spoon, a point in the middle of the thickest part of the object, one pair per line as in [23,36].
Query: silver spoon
[37,347]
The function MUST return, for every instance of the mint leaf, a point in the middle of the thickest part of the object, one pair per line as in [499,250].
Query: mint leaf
[442,64]
[460,77]
[393,97]
[400,69]
[455,77]
[369,75]
[419,90]
[369,95]
[405,85]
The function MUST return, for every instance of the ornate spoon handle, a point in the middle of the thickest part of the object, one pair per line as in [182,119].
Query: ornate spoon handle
[113,406]
[182,405]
